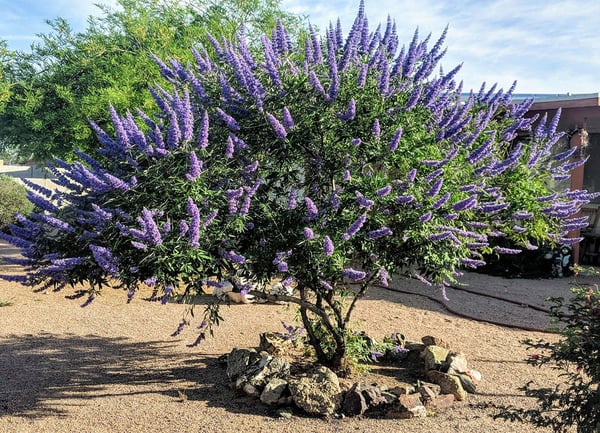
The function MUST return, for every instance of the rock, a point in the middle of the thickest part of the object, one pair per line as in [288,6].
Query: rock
[408,406]
[239,360]
[402,389]
[373,396]
[475,376]
[398,339]
[434,357]
[429,391]
[414,359]
[354,402]
[390,398]
[426,394]
[267,368]
[274,343]
[449,384]
[467,384]
[316,392]
[429,340]
[456,363]
[275,392]
[411,345]
[285,401]
[433,386]
[440,402]
[249,390]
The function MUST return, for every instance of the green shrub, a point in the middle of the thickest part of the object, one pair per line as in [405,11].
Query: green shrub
[576,355]
[329,167]
[13,198]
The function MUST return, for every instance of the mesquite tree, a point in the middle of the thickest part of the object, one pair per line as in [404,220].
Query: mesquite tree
[331,165]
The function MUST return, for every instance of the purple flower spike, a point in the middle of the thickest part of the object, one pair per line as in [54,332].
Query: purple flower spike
[288,121]
[251,168]
[404,199]
[201,337]
[363,201]
[412,175]
[472,263]
[292,203]
[376,234]
[105,259]
[353,274]
[278,128]
[425,217]
[442,201]
[152,232]
[356,141]
[376,129]
[434,175]
[435,188]
[183,228]
[503,250]
[195,167]
[228,120]
[350,111]
[326,285]
[382,192]
[195,227]
[383,277]
[234,257]
[439,236]
[308,233]
[229,147]
[355,227]
[465,204]
[151,281]
[167,295]
[311,207]
[179,328]
[396,140]
[328,246]
[203,136]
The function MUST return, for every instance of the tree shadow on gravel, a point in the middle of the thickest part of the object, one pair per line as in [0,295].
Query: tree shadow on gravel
[44,375]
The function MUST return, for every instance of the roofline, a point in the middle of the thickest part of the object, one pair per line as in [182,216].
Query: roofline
[552,102]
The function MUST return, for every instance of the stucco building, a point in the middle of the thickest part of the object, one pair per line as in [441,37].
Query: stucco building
[580,120]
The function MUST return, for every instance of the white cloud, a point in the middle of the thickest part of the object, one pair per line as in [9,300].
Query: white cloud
[548,46]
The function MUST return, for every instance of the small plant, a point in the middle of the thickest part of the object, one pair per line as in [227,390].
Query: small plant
[5,303]
[13,199]
[363,350]
[577,400]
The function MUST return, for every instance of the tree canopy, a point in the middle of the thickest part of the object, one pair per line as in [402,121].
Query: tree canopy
[69,77]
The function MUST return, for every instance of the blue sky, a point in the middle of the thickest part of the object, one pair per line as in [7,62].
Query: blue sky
[548,46]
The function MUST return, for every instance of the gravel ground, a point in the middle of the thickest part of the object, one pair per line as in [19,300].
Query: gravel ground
[112,367]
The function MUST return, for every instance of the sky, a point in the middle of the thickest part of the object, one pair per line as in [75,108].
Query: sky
[547,46]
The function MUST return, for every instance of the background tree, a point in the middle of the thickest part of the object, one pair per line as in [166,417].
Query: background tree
[329,167]
[69,78]
[4,85]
